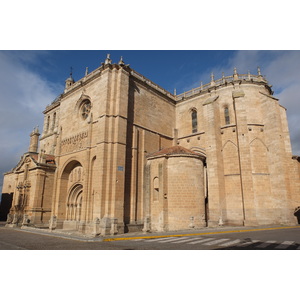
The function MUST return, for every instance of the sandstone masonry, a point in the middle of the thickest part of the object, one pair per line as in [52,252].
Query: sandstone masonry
[120,154]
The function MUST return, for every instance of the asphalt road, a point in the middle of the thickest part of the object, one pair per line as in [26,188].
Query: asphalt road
[258,238]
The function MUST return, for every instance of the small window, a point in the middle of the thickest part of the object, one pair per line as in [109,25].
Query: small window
[226,114]
[54,120]
[48,123]
[155,189]
[194,121]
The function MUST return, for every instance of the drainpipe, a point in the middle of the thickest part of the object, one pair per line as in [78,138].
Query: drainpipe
[43,194]
[239,158]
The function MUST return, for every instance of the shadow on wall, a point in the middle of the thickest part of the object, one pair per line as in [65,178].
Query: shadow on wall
[5,205]
[297,214]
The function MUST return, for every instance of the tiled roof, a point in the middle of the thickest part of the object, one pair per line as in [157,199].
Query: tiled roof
[49,159]
[173,151]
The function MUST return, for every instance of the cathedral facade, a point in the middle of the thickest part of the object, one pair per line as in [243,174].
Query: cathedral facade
[118,153]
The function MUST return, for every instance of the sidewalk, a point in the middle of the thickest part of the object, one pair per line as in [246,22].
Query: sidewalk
[74,235]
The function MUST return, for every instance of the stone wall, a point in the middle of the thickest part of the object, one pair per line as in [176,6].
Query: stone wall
[248,159]
[175,190]
[108,123]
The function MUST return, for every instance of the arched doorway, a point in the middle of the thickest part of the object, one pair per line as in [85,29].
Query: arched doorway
[71,195]
[74,203]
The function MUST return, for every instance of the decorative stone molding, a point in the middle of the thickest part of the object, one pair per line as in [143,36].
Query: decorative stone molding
[74,143]
[210,100]
[238,94]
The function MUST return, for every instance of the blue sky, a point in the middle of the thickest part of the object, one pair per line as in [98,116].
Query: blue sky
[29,80]
[170,69]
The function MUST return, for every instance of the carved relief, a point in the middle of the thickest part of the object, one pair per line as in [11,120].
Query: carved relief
[74,143]
[76,175]
[23,195]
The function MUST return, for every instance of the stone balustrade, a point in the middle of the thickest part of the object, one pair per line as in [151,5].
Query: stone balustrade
[224,80]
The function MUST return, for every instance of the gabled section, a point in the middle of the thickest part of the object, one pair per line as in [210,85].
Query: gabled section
[34,160]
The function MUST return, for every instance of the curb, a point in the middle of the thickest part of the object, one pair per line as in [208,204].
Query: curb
[148,235]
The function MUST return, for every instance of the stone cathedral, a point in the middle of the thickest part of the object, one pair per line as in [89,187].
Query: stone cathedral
[118,154]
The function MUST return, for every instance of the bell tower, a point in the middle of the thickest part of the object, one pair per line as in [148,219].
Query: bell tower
[69,81]
[34,140]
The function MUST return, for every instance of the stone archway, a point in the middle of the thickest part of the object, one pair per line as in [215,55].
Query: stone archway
[71,193]
[74,203]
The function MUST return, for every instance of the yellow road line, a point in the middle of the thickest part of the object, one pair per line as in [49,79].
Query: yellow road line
[194,234]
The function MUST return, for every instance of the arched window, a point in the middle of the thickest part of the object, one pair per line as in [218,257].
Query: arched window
[74,203]
[226,115]
[48,123]
[194,121]
[155,189]
[54,120]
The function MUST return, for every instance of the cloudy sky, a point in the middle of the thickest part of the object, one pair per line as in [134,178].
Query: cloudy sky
[29,80]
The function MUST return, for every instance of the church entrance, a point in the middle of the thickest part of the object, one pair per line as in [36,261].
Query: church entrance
[5,205]
[71,195]
[73,207]
[74,203]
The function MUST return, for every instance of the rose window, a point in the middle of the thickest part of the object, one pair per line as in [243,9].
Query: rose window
[86,109]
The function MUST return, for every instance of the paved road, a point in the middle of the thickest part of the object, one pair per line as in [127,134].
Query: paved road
[254,239]
[264,238]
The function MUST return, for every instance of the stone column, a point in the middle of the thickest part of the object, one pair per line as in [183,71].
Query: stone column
[248,204]
[215,173]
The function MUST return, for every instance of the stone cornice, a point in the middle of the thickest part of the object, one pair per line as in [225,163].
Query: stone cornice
[145,81]
[191,135]
[197,156]
[44,136]
[97,73]
[175,151]
[296,157]
[53,105]
[269,96]
[92,76]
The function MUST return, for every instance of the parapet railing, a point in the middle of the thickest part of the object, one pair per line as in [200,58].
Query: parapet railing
[218,82]
[151,83]
[213,83]
[134,74]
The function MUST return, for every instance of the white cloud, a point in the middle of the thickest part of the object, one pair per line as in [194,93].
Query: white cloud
[24,93]
[281,69]
[23,96]
[289,98]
